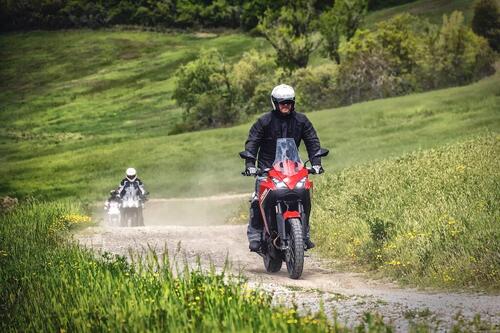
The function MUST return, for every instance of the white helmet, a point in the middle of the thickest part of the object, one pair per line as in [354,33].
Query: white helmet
[131,174]
[282,93]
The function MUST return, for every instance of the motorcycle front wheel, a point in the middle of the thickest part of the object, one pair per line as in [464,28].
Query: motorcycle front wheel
[295,252]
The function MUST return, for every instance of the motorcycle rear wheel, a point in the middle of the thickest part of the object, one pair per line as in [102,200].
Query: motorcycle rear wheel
[295,255]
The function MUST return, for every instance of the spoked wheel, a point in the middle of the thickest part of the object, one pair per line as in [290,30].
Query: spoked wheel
[272,265]
[295,252]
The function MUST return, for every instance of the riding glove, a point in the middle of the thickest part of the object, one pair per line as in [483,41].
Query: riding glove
[318,169]
[250,171]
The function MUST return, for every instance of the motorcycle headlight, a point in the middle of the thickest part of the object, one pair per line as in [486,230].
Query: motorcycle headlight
[278,183]
[301,183]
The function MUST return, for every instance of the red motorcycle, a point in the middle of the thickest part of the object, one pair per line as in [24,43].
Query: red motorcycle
[284,195]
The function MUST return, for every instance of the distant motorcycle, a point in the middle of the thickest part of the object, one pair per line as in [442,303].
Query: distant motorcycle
[285,204]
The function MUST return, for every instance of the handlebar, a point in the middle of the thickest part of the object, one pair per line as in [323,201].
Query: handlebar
[261,172]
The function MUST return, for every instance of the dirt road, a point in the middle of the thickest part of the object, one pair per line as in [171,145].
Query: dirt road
[346,295]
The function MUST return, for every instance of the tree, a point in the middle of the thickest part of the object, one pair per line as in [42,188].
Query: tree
[342,20]
[205,92]
[253,77]
[290,32]
[458,55]
[486,22]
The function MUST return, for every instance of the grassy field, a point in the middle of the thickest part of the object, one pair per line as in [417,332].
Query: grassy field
[59,151]
[428,218]
[78,107]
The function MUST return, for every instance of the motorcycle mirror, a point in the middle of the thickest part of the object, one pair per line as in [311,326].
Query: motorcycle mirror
[322,152]
[247,155]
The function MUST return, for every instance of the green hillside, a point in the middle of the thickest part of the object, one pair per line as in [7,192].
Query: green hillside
[428,218]
[80,83]
[206,162]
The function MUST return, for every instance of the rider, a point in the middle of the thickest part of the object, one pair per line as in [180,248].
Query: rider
[130,180]
[282,122]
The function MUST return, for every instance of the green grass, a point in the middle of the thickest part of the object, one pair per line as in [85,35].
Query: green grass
[428,218]
[433,10]
[74,85]
[50,284]
[89,162]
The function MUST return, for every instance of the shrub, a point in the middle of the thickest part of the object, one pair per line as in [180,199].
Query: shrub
[455,55]
[205,92]
[253,78]
[290,32]
[315,87]
[486,22]
[342,20]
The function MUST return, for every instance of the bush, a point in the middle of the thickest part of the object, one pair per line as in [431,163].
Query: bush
[205,92]
[486,22]
[407,54]
[290,31]
[455,56]
[253,77]
[315,87]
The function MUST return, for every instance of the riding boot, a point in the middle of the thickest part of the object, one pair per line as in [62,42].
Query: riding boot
[307,237]
[254,230]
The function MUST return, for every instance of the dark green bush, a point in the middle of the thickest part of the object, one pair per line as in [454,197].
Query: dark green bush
[486,22]
[253,77]
[205,92]
[453,56]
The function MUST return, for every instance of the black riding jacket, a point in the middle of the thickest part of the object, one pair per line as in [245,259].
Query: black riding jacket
[273,125]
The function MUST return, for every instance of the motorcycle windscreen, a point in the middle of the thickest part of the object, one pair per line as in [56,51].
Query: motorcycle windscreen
[287,160]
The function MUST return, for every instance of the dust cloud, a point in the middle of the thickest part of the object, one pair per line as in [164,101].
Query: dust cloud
[204,211]
[201,211]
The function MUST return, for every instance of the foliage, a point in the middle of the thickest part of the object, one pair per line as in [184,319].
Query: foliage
[381,63]
[407,54]
[290,32]
[486,22]
[428,218]
[80,103]
[455,55]
[253,77]
[315,87]
[342,20]
[56,14]
[205,91]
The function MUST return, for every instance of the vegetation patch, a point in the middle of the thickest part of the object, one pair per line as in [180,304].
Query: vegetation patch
[427,218]
[51,284]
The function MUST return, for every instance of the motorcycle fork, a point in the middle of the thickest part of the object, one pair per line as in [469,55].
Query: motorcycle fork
[280,221]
